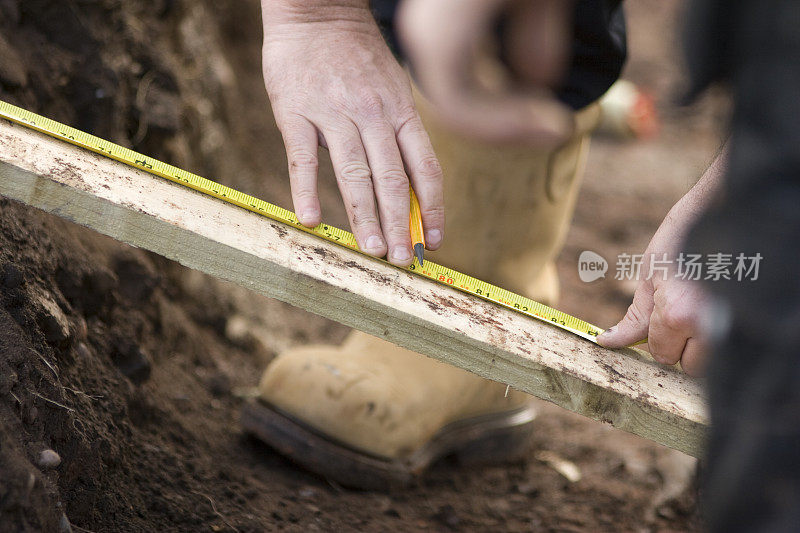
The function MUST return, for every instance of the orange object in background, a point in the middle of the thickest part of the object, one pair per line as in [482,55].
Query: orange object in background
[628,112]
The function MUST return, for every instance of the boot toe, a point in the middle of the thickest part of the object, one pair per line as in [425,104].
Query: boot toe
[343,399]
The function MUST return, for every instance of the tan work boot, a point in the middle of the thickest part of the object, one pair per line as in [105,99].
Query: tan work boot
[368,414]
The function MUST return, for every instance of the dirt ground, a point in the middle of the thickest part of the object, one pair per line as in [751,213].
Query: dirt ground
[131,367]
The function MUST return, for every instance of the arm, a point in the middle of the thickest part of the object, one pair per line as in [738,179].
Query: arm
[447,60]
[669,311]
[332,81]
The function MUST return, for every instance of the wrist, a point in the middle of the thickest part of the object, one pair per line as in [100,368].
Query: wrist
[698,199]
[315,11]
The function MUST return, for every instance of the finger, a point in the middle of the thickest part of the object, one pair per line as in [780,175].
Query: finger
[673,321]
[634,325]
[355,185]
[300,139]
[694,357]
[425,174]
[666,338]
[391,186]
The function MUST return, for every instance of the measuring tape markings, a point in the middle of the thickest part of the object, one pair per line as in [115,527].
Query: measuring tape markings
[430,270]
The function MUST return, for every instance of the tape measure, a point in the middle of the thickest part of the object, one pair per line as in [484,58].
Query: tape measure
[431,270]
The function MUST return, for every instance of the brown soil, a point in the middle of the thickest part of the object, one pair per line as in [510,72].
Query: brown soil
[130,367]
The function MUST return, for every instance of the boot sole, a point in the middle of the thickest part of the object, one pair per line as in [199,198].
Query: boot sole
[487,439]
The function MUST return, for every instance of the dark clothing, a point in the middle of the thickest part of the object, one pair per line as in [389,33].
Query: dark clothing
[753,476]
[598,50]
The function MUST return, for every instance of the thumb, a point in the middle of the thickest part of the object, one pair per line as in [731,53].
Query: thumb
[633,327]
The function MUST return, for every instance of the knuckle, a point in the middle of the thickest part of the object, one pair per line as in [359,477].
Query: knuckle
[304,193]
[675,319]
[354,174]
[394,180]
[360,218]
[371,104]
[435,212]
[303,160]
[429,168]
[396,232]
[407,117]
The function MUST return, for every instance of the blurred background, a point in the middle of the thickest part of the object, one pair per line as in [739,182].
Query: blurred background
[158,447]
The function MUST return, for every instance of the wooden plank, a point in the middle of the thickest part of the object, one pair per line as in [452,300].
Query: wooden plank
[624,389]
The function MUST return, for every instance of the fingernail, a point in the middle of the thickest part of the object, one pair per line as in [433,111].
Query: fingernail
[433,237]
[308,216]
[373,243]
[606,333]
[401,253]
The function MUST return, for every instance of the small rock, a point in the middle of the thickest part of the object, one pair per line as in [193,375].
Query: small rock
[384,503]
[49,459]
[566,468]
[12,276]
[52,320]
[238,331]
[308,493]
[528,488]
[82,350]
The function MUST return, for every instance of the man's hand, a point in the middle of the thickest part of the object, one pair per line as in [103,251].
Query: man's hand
[671,312]
[450,42]
[333,81]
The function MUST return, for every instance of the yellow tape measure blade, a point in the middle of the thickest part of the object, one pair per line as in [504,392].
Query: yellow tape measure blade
[438,273]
